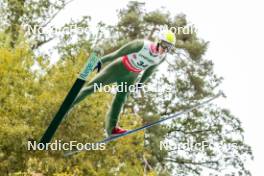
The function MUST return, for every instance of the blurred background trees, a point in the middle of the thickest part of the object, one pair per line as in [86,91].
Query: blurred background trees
[29,98]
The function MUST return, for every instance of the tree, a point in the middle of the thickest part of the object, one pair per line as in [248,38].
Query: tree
[190,79]
[17,14]
[29,19]
[29,99]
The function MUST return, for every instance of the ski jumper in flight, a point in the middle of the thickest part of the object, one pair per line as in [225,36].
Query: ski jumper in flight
[125,65]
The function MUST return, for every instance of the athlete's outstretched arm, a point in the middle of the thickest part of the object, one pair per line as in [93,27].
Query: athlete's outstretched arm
[131,47]
[147,73]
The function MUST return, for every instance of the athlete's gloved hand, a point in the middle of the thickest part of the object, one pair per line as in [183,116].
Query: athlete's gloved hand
[98,66]
[99,52]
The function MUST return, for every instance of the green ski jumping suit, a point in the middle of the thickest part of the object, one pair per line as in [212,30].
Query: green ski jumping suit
[126,64]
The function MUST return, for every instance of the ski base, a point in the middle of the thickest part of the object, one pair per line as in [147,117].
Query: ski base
[69,99]
[112,138]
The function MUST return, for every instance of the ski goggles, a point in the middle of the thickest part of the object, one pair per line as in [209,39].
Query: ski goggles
[166,46]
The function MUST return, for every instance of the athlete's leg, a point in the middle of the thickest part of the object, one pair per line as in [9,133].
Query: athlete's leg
[116,107]
[110,74]
[103,77]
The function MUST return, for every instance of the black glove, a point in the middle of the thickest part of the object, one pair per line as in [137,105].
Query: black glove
[98,66]
[99,52]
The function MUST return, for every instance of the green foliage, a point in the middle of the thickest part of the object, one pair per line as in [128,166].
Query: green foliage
[17,14]
[17,17]
[28,102]
[29,98]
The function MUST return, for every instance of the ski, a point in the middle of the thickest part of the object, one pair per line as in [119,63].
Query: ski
[73,93]
[112,138]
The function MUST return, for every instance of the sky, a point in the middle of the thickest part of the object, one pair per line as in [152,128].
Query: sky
[235,32]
